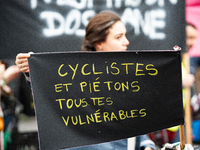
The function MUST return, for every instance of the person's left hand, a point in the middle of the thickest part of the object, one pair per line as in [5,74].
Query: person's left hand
[22,61]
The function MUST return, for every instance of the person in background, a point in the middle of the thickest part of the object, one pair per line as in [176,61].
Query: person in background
[191,35]
[8,74]
[171,135]
[188,74]
[105,32]
[8,101]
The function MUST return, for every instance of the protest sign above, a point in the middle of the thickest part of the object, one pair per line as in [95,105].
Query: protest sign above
[59,25]
[84,98]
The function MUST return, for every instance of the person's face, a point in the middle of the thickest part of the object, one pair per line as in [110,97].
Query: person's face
[116,39]
[191,35]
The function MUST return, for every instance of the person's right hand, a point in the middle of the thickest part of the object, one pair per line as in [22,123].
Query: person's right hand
[22,62]
[188,80]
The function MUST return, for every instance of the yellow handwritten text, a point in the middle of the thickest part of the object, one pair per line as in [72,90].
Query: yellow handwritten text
[75,103]
[99,117]
[109,85]
[114,68]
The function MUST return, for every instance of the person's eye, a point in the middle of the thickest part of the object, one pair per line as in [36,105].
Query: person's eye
[119,37]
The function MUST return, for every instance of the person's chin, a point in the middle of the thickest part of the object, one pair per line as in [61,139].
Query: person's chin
[188,48]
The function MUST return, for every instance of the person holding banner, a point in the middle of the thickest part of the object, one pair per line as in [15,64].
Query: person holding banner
[104,32]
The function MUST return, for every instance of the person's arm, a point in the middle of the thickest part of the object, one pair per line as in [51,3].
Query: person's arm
[11,73]
[8,75]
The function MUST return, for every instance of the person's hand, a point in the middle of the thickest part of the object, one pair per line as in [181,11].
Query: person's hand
[176,146]
[148,148]
[188,80]
[7,75]
[11,73]
[22,61]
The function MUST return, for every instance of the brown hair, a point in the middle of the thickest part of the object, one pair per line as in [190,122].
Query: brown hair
[98,29]
[190,24]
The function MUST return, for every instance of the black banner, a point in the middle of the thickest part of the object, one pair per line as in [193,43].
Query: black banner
[84,98]
[59,25]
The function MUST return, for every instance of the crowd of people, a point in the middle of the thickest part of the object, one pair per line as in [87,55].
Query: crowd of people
[110,36]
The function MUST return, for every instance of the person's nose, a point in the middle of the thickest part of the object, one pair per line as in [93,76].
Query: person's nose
[125,42]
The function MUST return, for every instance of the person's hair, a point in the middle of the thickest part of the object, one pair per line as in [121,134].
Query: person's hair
[190,24]
[98,29]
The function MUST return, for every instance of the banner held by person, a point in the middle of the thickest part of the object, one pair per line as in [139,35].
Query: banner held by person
[84,98]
